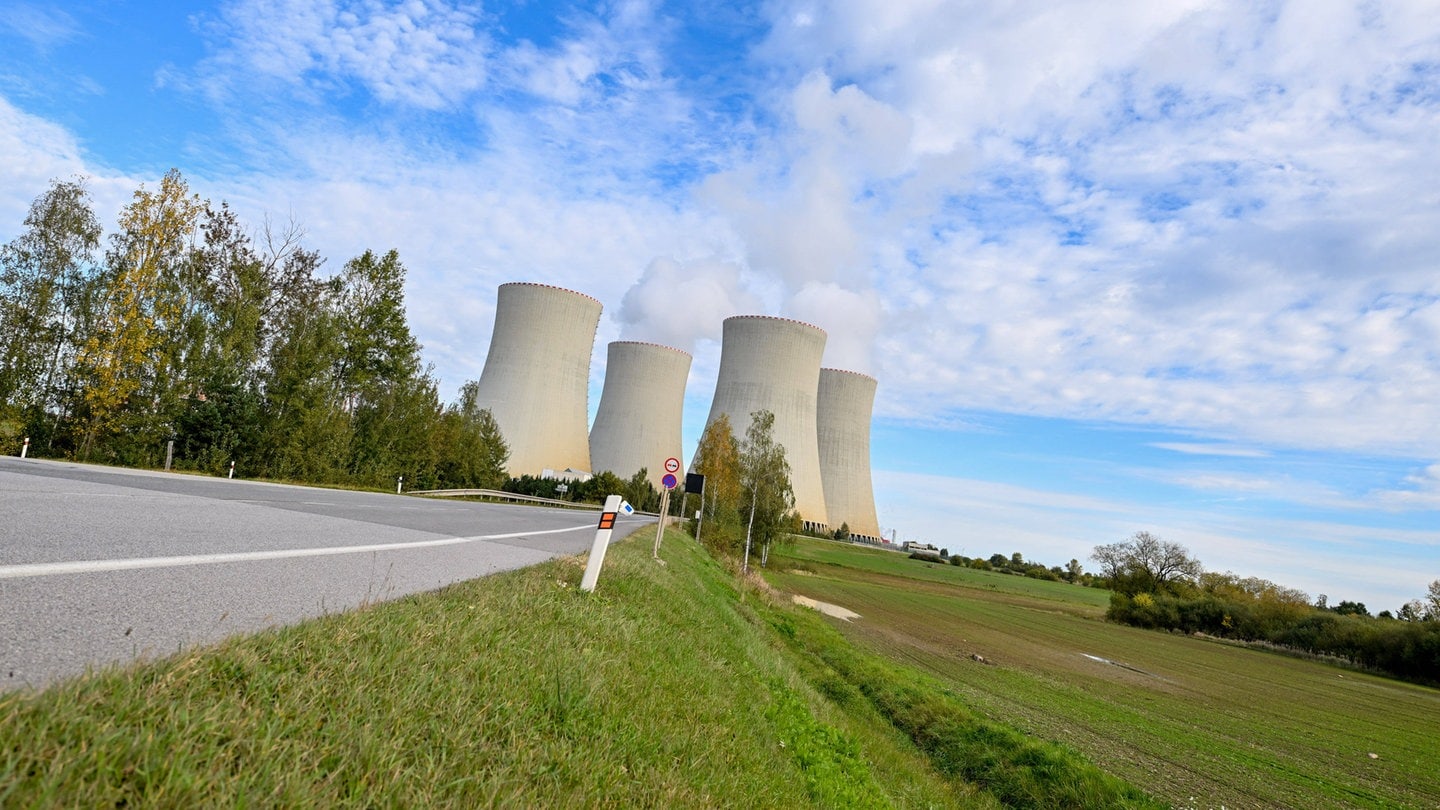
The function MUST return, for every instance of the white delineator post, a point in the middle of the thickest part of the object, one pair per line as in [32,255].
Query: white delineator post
[25,448]
[399,484]
[232,470]
[602,542]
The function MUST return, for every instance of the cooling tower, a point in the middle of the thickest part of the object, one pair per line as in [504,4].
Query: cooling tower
[537,376]
[638,423]
[774,364]
[842,420]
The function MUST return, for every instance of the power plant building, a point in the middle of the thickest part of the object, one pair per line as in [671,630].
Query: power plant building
[773,364]
[842,417]
[638,424]
[536,380]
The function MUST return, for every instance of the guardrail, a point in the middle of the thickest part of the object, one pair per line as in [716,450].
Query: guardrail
[501,495]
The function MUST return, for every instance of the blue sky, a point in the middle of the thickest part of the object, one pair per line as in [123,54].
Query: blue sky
[1116,265]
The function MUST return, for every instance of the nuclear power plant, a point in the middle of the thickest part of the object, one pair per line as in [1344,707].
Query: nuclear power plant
[773,364]
[638,424]
[536,384]
[536,381]
[842,420]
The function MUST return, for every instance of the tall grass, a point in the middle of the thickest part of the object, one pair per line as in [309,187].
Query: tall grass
[656,691]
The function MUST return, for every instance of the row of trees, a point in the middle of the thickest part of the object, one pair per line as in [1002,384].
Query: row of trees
[637,490]
[1157,584]
[749,501]
[1016,563]
[236,348]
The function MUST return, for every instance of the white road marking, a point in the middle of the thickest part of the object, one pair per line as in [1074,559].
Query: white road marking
[93,566]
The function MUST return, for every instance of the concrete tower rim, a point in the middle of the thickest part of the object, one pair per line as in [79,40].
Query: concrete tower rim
[651,343]
[870,377]
[552,287]
[821,330]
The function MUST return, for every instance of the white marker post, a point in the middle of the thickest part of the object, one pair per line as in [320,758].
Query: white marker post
[399,484]
[25,448]
[602,542]
[232,470]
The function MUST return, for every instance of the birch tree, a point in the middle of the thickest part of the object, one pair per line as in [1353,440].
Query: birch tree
[47,281]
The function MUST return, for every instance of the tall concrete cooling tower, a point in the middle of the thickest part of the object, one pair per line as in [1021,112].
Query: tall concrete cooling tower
[536,380]
[638,423]
[774,364]
[842,419]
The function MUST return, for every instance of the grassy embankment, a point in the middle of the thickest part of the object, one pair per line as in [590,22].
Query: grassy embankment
[672,686]
[1197,722]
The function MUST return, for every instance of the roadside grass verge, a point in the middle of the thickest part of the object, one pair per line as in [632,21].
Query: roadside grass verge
[1016,769]
[662,689]
[1197,723]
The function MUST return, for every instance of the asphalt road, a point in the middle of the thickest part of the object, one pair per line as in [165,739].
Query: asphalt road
[101,565]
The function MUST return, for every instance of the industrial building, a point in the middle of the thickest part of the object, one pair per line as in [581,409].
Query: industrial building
[842,419]
[773,364]
[638,424]
[536,380]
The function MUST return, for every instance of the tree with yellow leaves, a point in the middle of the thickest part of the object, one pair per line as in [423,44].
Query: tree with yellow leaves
[131,361]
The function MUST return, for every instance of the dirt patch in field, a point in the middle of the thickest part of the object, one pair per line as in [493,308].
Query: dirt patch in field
[826,608]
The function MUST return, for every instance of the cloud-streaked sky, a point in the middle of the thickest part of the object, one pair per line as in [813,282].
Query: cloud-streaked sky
[1116,265]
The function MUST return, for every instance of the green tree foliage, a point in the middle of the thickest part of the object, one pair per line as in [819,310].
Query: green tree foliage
[718,459]
[189,331]
[640,493]
[48,277]
[1254,609]
[147,327]
[1348,608]
[1146,564]
[469,449]
[765,481]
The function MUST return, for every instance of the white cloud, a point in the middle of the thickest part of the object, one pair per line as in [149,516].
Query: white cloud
[33,152]
[677,303]
[426,53]
[44,26]
[1199,449]
[1180,214]
[1422,491]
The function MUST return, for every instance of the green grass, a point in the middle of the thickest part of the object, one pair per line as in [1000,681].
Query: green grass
[1198,723]
[662,689]
[819,554]
[1016,769]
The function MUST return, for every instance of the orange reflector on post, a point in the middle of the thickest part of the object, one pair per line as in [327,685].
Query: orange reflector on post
[607,520]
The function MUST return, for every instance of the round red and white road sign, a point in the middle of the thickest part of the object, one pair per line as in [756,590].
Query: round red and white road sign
[672,465]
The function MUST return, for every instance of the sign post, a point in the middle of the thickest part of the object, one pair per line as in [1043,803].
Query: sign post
[695,482]
[602,542]
[672,466]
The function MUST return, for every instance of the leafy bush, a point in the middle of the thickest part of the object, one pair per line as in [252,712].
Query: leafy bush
[1406,650]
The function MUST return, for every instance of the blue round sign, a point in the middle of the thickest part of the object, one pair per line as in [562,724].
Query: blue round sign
[669,481]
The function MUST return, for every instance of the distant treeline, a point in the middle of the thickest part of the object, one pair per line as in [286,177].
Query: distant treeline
[187,329]
[1158,585]
[1404,649]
